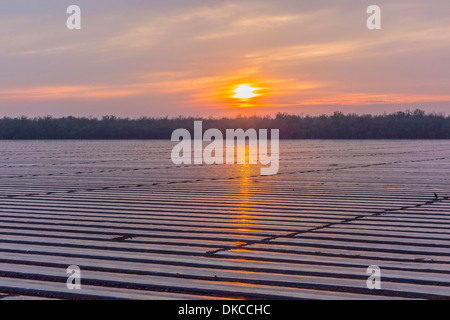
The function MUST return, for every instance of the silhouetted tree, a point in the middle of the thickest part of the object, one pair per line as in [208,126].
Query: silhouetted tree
[401,125]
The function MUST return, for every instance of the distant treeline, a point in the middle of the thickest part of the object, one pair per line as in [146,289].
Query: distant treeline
[401,125]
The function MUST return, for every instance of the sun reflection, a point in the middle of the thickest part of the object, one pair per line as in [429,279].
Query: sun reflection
[246,156]
[243,219]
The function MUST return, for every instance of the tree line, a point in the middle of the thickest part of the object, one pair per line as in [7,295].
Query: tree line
[401,125]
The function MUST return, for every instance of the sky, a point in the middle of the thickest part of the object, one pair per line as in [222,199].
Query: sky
[186,57]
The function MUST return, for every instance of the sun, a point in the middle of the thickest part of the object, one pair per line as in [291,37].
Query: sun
[245,91]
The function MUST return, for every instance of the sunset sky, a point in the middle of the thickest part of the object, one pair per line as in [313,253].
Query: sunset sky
[155,58]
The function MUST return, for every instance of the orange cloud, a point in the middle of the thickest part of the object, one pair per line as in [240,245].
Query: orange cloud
[63,92]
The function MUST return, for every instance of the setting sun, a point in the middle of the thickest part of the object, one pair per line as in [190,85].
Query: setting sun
[244,91]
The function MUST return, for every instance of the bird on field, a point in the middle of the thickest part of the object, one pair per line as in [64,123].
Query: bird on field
[436,196]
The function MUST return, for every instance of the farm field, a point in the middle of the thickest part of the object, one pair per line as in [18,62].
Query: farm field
[140,227]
